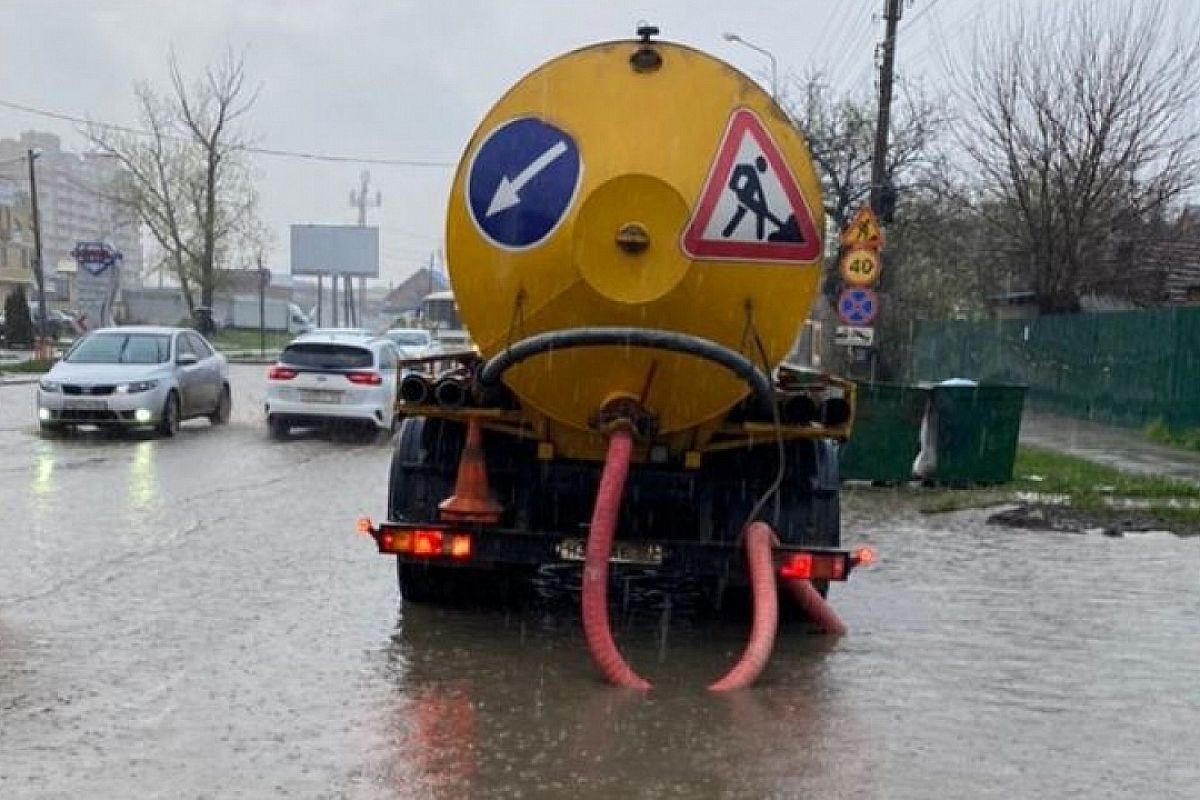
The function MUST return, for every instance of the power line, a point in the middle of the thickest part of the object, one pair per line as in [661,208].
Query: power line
[937,43]
[915,17]
[835,38]
[852,52]
[262,151]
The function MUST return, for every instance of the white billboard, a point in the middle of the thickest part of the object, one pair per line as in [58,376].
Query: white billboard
[335,250]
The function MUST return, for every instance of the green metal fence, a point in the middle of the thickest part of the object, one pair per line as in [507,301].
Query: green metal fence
[1127,368]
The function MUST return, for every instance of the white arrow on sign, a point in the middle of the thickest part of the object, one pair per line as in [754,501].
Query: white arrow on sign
[508,192]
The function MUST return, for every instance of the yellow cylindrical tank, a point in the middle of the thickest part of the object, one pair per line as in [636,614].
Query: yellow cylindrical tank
[641,184]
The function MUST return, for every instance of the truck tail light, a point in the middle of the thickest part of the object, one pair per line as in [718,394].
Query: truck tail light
[395,542]
[280,373]
[798,566]
[814,566]
[365,378]
[460,546]
[420,542]
[427,543]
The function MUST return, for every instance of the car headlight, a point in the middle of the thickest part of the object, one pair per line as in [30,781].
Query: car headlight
[135,387]
[50,386]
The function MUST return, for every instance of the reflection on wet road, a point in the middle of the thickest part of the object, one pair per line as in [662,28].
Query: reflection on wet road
[194,618]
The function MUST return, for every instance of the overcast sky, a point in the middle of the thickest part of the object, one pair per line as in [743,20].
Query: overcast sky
[409,80]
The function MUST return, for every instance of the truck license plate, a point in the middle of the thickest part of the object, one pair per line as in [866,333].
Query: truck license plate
[622,552]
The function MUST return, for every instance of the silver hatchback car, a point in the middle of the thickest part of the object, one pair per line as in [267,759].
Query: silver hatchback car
[135,377]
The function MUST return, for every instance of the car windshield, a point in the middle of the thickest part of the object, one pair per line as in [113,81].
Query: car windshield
[409,338]
[321,355]
[122,348]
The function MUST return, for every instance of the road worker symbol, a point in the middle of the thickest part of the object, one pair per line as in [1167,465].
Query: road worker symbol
[745,184]
[751,207]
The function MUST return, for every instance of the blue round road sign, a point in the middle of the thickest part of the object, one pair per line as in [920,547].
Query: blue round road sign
[857,306]
[522,180]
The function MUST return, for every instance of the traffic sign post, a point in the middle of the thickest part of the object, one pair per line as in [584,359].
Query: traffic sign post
[853,336]
[751,207]
[857,307]
[864,230]
[860,267]
[264,280]
[522,182]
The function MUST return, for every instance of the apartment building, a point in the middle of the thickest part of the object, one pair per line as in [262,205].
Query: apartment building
[73,203]
[16,240]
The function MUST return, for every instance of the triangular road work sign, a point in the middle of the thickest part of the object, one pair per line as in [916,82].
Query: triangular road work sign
[751,207]
[864,230]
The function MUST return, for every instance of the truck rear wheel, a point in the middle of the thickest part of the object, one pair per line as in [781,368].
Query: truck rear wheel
[422,475]
[424,466]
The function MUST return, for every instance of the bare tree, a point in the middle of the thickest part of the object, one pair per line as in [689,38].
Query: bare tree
[186,175]
[841,136]
[937,261]
[1080,127]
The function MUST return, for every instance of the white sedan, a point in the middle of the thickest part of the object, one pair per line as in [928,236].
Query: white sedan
[329,377]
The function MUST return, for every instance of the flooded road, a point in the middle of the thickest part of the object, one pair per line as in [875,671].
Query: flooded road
[195,618]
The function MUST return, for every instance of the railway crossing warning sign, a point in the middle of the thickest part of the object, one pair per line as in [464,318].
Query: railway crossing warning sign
[522,181]
[857,307]
[751,207]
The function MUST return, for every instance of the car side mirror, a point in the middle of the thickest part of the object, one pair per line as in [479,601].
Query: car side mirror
[187,359]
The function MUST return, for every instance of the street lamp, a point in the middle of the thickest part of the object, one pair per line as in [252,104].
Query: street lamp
[733,37]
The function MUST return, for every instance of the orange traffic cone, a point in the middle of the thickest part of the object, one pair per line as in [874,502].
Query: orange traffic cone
[472,500]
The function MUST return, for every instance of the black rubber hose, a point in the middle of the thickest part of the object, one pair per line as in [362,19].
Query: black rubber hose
[798,409]
[671,341]
[450,392]
[415,389]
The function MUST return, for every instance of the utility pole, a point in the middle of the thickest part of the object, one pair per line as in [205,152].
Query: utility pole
[362,201]
[37,245]
[262,310]
[892,10]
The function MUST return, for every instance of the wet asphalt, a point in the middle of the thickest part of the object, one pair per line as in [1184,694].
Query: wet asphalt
[195,618]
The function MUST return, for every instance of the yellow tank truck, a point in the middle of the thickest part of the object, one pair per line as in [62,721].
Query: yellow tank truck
[634,238]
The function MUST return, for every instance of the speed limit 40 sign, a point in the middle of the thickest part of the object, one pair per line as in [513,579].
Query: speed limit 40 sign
[860,267]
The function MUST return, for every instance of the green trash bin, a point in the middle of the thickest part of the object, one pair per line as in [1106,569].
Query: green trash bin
[977,428]
[886,435]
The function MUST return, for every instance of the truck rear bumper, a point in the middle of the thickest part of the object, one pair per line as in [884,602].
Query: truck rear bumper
[495,548]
